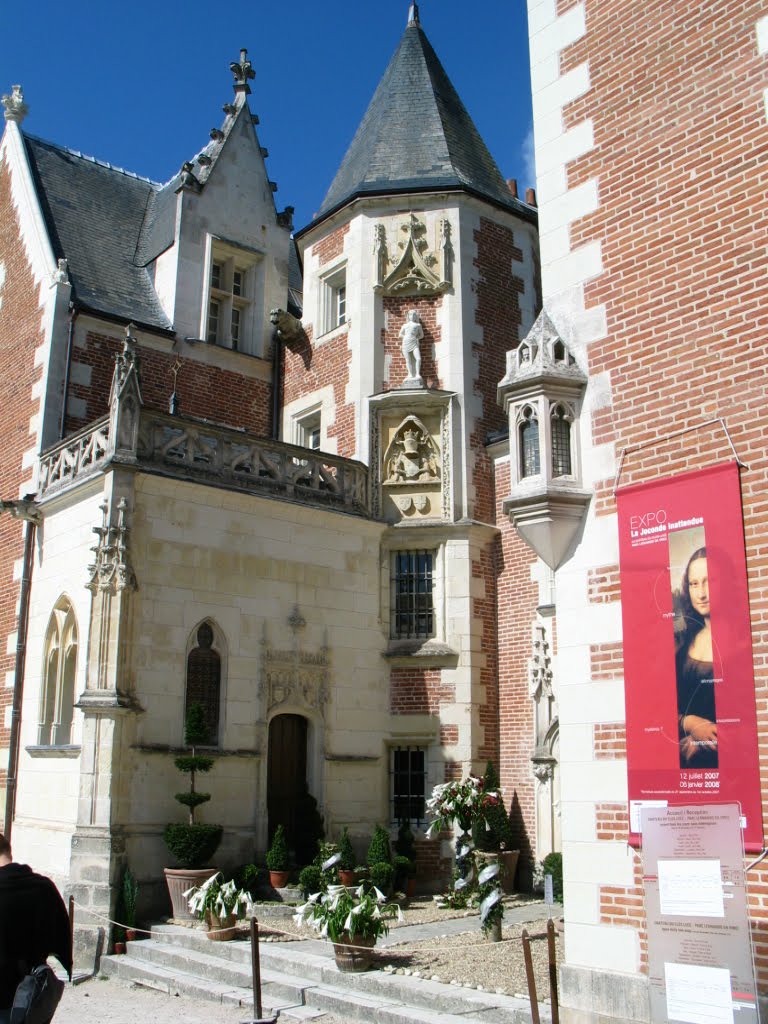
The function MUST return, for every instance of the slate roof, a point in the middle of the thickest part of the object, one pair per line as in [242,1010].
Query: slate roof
[95,214]
[417,136]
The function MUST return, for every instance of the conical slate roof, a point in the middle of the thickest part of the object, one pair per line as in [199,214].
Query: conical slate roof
[417,136]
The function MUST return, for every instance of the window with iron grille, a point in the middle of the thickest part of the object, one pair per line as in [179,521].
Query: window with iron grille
[561,442]
[408,784]
[412,612]
[204,681]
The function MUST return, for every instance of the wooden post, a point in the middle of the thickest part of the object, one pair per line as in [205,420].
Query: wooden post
[530,978]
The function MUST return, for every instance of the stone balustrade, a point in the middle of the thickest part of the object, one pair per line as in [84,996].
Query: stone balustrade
[198,451]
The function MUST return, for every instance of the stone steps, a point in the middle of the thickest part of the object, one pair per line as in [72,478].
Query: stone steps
[300,979]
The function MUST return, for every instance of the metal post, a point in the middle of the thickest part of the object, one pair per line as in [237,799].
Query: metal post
[71,928]
[553,997]
[255,968]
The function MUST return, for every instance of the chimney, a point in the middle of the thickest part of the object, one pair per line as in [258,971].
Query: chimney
[530,196]
[512,186]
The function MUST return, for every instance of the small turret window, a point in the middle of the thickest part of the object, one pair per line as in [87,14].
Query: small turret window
[561,442]
[530,455]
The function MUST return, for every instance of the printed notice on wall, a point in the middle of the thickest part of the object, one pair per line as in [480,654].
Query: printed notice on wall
[699,952]
[687,646]
[690,888]
[699,995]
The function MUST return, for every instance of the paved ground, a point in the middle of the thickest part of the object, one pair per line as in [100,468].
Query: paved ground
[101,1001]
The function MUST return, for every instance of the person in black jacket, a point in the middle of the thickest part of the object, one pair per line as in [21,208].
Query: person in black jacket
[34,924]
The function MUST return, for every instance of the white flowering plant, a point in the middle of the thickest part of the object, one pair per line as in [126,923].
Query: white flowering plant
[343,912]
[461,802]
[223,899]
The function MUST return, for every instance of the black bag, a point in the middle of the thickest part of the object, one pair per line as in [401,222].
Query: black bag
[37,997]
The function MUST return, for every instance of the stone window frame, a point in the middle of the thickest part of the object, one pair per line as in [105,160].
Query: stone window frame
[57,695]
[413,792]
[243,299]
[542,409]
[333,284]
[308,428]
[219,646]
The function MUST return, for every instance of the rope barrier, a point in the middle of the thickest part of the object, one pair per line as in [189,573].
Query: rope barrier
[398,948]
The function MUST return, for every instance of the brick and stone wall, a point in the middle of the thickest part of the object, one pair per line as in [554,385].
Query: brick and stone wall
[204,390]
[653,220]
[21,334]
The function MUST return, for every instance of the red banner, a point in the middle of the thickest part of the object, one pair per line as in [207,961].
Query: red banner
[690,692]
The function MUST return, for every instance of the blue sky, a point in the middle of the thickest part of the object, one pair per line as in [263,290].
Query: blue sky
[140,84]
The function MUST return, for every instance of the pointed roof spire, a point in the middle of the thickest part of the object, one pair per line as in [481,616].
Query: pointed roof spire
[417,136]
[243,72]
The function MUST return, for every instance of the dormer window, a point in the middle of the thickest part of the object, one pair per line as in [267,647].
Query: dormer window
[234,297]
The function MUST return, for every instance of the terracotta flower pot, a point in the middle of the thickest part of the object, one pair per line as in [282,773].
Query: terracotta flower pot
[278,879]
[354,953]
[178,881]
[119,947]
[131,935]
[220,929]
[347,877]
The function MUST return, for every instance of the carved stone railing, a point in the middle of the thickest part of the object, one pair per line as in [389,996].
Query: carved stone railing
[75,459]
[193,450]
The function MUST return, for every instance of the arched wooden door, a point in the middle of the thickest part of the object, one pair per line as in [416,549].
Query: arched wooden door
[286,772]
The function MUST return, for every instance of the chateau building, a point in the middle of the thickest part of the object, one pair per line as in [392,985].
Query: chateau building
[356,487]
[271,491]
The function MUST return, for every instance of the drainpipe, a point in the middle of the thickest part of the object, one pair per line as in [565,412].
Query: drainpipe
[26,510]
[73,312]
[277,373]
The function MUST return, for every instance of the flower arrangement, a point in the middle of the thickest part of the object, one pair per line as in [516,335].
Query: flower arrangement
[342,912]
[463,803]
[218,898]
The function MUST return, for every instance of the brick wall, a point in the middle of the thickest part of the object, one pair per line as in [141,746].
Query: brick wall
[331,246]
[418,691]
[680,136]
[305,371]
[609,740]
[223,396]
[517,600]
[606,661]
[604,584]
[396,309]
[484,611]
[498,290]
[20,335]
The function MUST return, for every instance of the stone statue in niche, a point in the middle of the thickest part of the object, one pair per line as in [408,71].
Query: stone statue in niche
[411,334]
[412,456]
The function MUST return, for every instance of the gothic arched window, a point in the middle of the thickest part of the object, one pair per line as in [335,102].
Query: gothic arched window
[561,441]
[58,693]
[530,456]
[204,680]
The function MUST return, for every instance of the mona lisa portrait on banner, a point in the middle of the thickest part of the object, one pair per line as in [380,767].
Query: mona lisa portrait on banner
[688,675]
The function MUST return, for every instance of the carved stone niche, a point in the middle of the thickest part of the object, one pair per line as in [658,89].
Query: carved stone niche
[406,265]
[410,456]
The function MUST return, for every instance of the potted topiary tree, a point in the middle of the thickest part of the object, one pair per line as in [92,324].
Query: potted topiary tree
[379,859]
[405,860]
[347,860]
[190,842]
[278,861]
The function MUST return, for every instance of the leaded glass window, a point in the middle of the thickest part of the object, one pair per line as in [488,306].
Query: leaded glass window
[530,455]
[204,680]
[561,442]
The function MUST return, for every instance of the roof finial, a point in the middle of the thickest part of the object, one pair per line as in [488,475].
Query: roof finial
[15,107]
[242,71]
[413,13]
